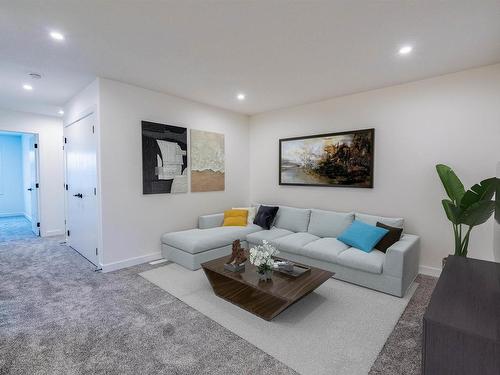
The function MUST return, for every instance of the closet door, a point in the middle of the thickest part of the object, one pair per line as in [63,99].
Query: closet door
[81,180]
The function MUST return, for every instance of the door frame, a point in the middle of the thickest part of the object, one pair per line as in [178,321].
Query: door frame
[37,178]
[37,171]
[93,110]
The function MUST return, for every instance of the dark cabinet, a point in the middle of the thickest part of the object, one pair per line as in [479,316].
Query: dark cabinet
[462,321]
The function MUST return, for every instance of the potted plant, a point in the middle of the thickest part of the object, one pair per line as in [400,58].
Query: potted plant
[466,209]
[262,257]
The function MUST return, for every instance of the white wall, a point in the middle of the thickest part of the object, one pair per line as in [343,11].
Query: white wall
[452,119]
[132,223]
[83,103]
[49,130]
[11,176]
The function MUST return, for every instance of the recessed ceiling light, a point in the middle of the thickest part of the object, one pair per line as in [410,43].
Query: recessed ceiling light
[61,112]
[56,35]
[241,96]
[28,87]
[405,50]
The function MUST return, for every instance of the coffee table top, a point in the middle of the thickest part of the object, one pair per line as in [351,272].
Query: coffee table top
[281,285]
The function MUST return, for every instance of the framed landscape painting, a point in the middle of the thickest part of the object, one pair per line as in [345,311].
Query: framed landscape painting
[342,159]
[164,158]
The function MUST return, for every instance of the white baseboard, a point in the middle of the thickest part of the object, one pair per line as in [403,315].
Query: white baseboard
[430,271]
[159,261]
[130,262]
[12,214]
[54,232]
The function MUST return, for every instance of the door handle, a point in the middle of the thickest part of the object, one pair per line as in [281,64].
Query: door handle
[79,195]
[30,189]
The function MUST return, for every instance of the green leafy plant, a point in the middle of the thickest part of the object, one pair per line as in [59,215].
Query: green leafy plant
[466,209]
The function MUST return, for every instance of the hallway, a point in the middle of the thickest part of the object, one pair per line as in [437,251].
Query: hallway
[15,228]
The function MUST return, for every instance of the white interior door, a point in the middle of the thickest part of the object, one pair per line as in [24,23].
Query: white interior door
[33,185]
[81,180]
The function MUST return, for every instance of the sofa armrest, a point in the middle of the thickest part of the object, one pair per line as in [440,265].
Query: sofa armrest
[210,221]
[402,258]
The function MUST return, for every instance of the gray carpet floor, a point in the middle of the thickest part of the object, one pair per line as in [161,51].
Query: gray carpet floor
[59,316]
[401,354]
[15,228]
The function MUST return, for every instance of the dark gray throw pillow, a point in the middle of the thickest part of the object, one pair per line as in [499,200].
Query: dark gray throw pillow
[265,216]
[390,238]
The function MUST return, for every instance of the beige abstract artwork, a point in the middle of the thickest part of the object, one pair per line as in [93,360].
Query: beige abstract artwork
[207,161]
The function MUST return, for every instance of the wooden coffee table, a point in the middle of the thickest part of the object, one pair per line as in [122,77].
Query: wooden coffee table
[264,299]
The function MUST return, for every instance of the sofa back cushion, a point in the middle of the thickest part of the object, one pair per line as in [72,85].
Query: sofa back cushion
[293,219]
[329,223]
[396,222]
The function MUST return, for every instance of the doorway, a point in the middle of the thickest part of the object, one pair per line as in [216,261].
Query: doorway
[81,187]
[19,186]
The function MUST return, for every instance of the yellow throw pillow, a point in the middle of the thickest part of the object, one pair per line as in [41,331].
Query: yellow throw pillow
[235,218]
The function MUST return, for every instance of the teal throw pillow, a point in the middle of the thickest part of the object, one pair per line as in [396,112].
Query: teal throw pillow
[362,236]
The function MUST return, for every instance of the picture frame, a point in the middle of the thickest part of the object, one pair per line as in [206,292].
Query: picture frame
[207,161]
[340,159]
[164,158]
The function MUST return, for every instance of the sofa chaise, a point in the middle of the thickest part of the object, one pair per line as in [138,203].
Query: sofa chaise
[307,236]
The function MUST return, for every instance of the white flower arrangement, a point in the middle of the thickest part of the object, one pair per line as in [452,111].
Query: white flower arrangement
[261,256]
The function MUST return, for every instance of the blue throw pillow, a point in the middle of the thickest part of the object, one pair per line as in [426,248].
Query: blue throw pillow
[362,236]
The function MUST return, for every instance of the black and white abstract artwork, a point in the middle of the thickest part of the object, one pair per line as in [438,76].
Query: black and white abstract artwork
[164,158]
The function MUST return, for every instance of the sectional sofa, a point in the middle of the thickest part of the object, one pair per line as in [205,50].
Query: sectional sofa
[308,236]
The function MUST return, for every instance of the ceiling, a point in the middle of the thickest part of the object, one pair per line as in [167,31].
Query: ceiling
[279,53]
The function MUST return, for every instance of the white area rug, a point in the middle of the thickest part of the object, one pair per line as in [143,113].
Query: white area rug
[338,329]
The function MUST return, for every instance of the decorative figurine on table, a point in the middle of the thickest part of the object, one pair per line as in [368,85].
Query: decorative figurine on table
[237,260]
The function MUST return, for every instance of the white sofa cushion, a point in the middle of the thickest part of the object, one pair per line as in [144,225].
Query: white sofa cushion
[358,259]
[396,222]
[325,249]
[294,243]
[198,240]
[252,211]
[292,219]
[268,235]
[329,223]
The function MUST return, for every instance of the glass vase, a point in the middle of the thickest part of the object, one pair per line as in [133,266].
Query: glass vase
[265,275]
